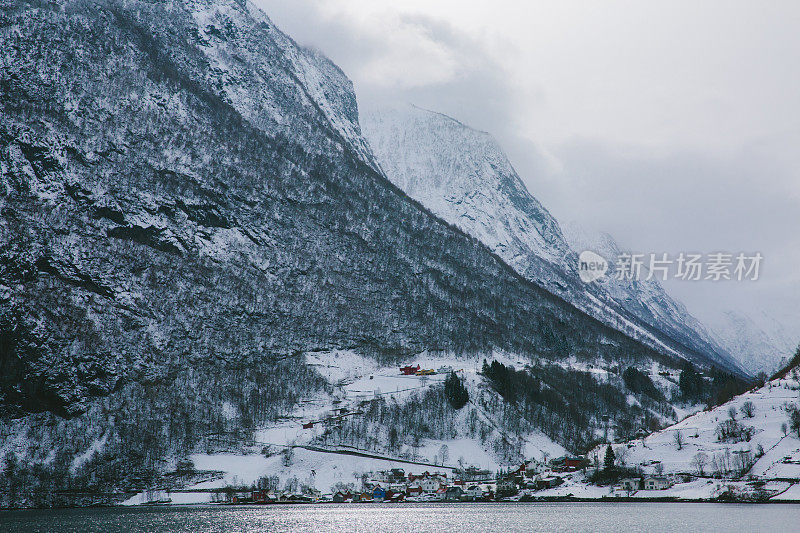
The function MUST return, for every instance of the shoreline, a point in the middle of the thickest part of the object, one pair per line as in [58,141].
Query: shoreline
[544,499]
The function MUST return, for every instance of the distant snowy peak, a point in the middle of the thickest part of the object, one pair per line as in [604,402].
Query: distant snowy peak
[579,239]
[757,340]
[760,341]
[645,298]
[463,176]
[231,33]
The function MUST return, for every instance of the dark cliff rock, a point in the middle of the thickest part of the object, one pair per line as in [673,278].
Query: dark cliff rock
[184,183]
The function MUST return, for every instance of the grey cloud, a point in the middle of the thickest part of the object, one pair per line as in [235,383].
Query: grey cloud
[651,200]
[690,201]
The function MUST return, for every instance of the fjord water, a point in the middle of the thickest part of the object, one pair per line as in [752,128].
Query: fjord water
[407,518]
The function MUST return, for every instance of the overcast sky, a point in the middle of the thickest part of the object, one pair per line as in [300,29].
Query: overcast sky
[672,125]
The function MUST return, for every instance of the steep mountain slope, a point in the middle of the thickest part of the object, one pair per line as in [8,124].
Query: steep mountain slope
[189,214]
[463,176]
[646,298]
[188,209]
[750,439]
[757,339]
[189,185]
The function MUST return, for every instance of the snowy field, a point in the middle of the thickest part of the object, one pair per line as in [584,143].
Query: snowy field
[355,379]
[698,434]
[673,451]
[770,456]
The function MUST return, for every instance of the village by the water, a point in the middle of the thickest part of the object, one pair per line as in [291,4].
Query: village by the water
[739,451]
[467,485]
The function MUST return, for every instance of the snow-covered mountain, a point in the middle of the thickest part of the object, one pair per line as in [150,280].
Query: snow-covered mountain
[188,210]
[749,439]
[463,176]
[758,339]
[645,298]
[214,199]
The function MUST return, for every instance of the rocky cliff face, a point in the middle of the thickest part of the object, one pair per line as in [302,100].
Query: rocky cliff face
[463,176]
[183,184]
[187,209]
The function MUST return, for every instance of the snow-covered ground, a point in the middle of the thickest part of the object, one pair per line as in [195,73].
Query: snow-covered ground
[698,435]
[355,379]
[772,449]
[775,454]
[313,468]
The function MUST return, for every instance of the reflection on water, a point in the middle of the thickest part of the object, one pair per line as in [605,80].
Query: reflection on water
[408,518]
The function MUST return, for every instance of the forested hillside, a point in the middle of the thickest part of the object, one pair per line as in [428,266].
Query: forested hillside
[186,209]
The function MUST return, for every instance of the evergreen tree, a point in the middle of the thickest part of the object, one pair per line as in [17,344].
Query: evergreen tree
[609,459]
[455,391]
[795,362]
[690,382]
[640,383]
[794,419]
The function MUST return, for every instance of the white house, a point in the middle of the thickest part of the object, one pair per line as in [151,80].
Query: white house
[430,484]
[629,483]
[473,492]
[656,483]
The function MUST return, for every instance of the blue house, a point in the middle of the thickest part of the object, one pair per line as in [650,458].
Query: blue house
[378,494]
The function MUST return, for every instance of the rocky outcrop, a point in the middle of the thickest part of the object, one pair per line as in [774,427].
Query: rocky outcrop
[463,176]
[181,183]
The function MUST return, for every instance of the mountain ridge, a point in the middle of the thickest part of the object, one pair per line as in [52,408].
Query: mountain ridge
[189,213]
[464,176]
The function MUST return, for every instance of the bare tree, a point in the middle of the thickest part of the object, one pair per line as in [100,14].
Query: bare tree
[292,485]
[732,412]
[622,455]
[363,478]
[288,456]
[748,409]
[444,454]
[415,445]
[678,439]
[699,462]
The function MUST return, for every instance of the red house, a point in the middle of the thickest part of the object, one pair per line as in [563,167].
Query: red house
[409,370]
[574,462]
[568,463]
[414,491]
